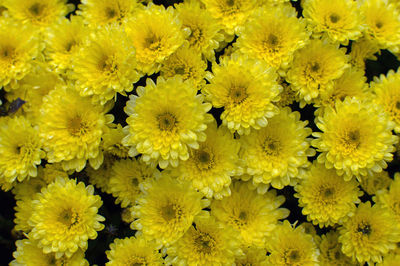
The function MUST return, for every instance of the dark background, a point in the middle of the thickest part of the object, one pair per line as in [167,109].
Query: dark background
[115,228]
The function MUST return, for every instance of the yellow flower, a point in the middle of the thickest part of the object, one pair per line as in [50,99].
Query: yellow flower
[382,23]
[356,138]
[133,251]
[389,199]
[64,217]
[40,13]
[103,12]
[230,13]
[315,67]
[20,149]
[331,253]
[291,246]
[23,211]
[28,254]
[246,88]
[51,171]
[361,50]
[186,63]
[105,65]
[252,256]
[155,33]
[166,209]
[209,243]
[277,154]
[340,20]
[112,142]
[387,91]
[27,189]
[325,197]
[205,33]
[369,234]
[287,96]
[71,127]
[255,216]
[165,120]
[125,178]
[211,166]
[18,48]
[273,34]
[375,182]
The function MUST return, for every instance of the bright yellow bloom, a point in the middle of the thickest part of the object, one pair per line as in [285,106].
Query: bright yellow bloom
[211,166]
[255,216]
[277,154]
[273,34]
[165,120]
[155,33]
[315,67]
[247,89]
[331,253]
[71,127]
[369,234]
[112,142]
[340,20]
[166,209]
[389,199]
[326,198]
[209,243]
[361,50]
[106,65]
[64,217]
[133,251]
[252,256]
[28,254]
[375,182]
[20,149]
[356,138]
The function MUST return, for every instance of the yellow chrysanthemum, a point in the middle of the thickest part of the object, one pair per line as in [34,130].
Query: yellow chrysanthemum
[389,199]
[361,50]
[315,67]
[369,234]
[309,229]
[331,251]
[155,33]
[28,188]
[51,171]
[125,178]
[23,211]
[165,120]
[28,254]
[287,96]
[356,138]
[209,243]
[64,40]
[340,20]
[71,127]
[211,166]
[246,89]
[291,246]
[100,177]
[20,149]
[277,154]
[186,63]
[205,33]
[166,210]
[103,12]
[106,65]
[230,13]
[325,197]
[273,34]
[252,256]
[382,23]
[377,181]
[387,91]
[133,251]
[112,142]
[64,217]
[18,48]
[41,13]
[255,216]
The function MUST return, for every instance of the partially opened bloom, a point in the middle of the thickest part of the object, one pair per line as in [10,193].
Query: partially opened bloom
[277,154]
[389,199]
[112,142]
[133,250]
[340,20]
[247,89]
[165,119]
[166,209]
[64,217]
[356,138]
[326,198]
[255,216]
[375,182]
[369,234]
[331,251]
[361,50]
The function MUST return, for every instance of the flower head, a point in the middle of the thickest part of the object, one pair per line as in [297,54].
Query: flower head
[389,199]
[331,251]
[112,142]
[375,182]
[361,50]
[64,217]
[165,120]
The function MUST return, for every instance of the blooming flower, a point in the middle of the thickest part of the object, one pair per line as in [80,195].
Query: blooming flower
[375,182]
[389,199]
[331,251]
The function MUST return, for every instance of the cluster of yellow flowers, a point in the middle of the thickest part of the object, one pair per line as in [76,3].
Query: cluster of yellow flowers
[210,138]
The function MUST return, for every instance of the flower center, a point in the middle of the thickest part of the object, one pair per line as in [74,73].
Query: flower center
[205,158]
[242,215]
[365,229]
[69,45]
[166,122]
[238,94]
[271,147]
[379,24]
[292,256]
[315,67]
[77,127]
[7,53]
[230,2]
[272,40]
[171,212]
[110,12]
[334,17]
[398,105]
[36,9]
[69,218]
[152,42]
[204,243]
